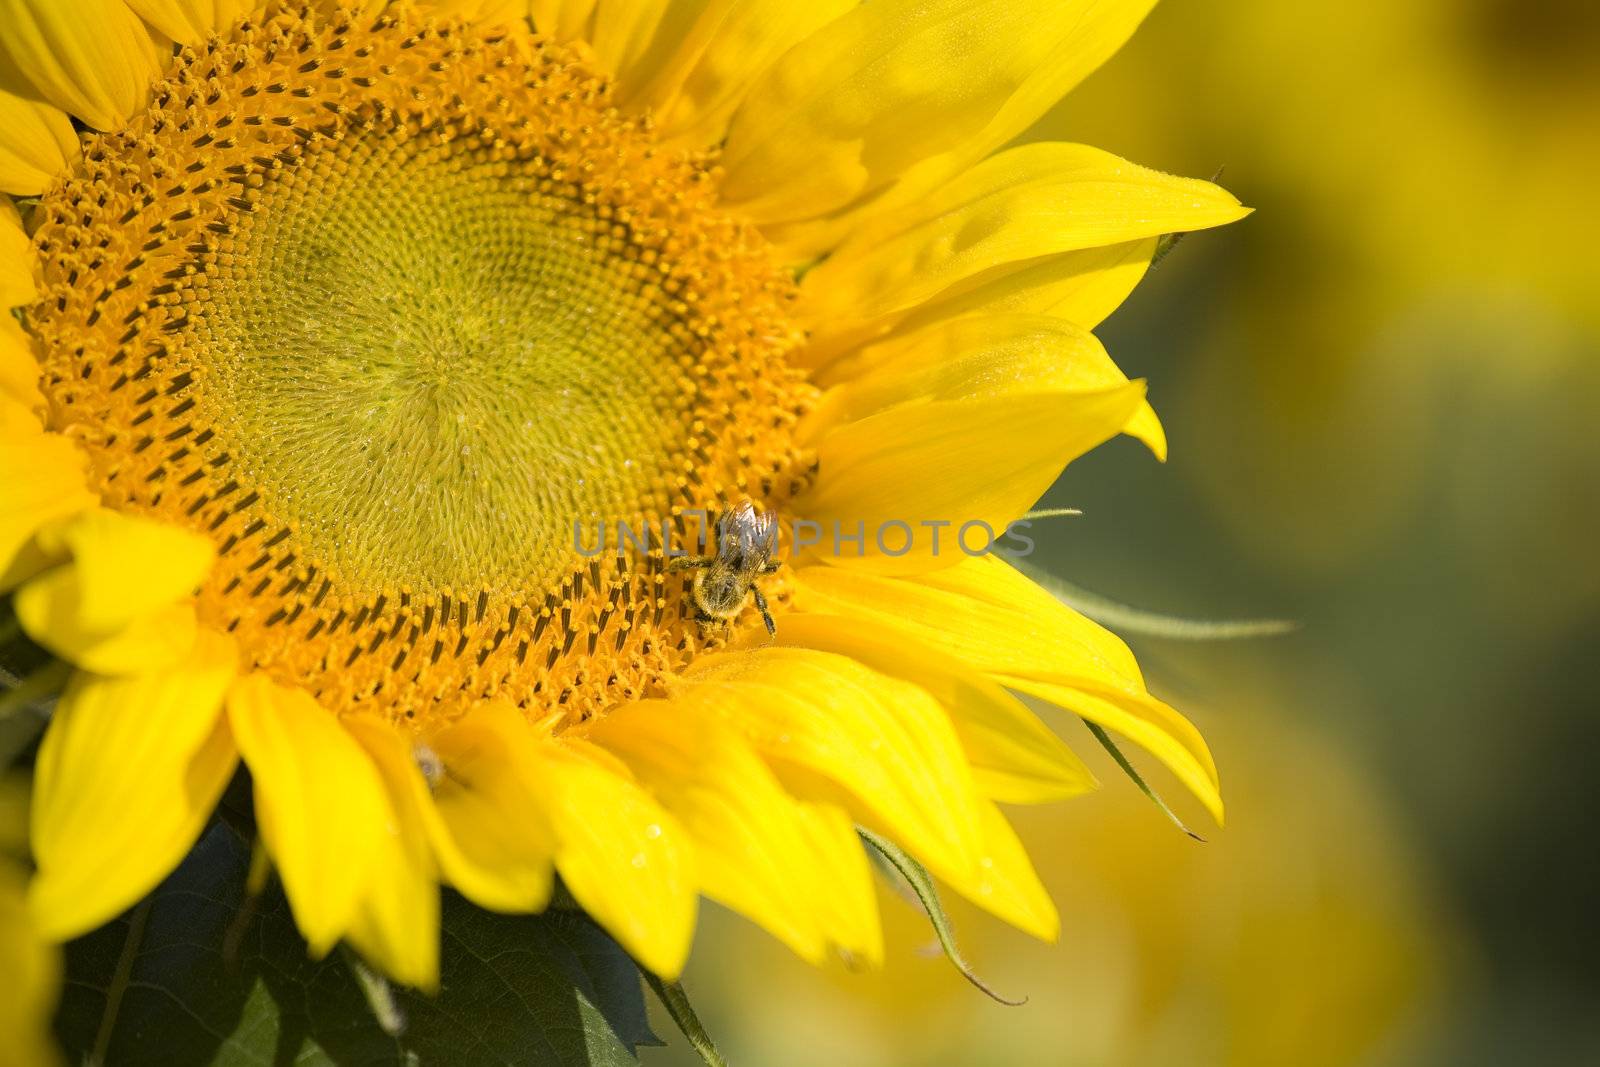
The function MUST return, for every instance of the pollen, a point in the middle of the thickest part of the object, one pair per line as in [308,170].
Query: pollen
[392,312]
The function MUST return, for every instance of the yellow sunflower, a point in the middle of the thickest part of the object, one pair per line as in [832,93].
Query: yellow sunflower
[336,327]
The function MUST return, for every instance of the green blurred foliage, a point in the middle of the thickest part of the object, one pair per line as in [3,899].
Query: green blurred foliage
[1380,391]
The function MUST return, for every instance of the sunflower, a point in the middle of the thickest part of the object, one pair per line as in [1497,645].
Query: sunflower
[335,326]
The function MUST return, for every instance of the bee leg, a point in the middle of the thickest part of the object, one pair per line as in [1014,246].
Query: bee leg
[771,567]
[685,563]
[766,616]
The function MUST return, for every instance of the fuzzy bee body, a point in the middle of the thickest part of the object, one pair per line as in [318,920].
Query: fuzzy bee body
[746,539]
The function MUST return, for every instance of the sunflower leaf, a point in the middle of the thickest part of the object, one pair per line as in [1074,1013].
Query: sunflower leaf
[921,884]
[516,989]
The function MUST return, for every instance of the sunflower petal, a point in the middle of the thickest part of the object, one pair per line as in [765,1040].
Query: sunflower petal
[625,30]
[36,144]
[693,107]
[487,13]
[92,58]
[42,482]
[190,21]
[1014,757]
[978,355]
[490,830]
[839,732]
[1082,287]
[753,847]
[321,806]
[625,860]
[18,267]
[899,82]
[31,963]
[1025,203]
[957,462]
[128,566]
[987,616]
[128,773]
[396,924]
[646,44]
[563,20]
[850,916]
[49,609]
[1007,884]
[121,605]
[19,371]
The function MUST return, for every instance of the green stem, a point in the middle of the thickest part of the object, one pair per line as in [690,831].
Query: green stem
[119,982]
[676,1001]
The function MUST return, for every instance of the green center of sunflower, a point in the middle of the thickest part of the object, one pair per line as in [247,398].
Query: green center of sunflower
[399,315]
[435,362]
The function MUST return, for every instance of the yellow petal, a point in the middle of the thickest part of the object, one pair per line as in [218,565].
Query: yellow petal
[19,371]
[1027,202]
[128,773]
[1014,757]
[396,925]
[121,605]
[1007,884]
[753,847]
[36,144]
[897,82]
[1082,287]
[491,836]
[981,461]
[694,100]
[837,731]
[128,565]
[191,21]
[42,482]
[851,917]
[18,267]
[32,966]
[563,20]
[49,609]
[978,355]
[321,807]
[479,12]
[634,39]
[625,860]
[647,44]
[986,615]
[92,58]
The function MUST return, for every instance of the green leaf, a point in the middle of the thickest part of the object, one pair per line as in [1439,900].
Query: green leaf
[1145,787]
[1131,620]
[921,883]
[159,987]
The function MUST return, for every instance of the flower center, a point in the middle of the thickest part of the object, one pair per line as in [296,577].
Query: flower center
[391,311]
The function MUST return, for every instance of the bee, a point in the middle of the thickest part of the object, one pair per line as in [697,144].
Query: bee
[746,537]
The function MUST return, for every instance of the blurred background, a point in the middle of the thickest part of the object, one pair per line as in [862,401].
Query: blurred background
[1380,391]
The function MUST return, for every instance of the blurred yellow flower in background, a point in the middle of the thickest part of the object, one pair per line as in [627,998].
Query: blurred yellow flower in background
[1428,167]
[30,963]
